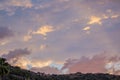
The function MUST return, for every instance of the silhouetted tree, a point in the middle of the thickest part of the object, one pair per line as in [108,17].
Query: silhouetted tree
[4,68]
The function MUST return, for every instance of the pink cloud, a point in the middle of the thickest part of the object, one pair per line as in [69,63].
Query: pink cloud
[96,64]
[101,63]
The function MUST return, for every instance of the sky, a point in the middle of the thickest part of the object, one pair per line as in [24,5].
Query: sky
[61,36]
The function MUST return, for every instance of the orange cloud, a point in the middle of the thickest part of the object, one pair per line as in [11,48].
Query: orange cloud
[16,57]
[27,37]
[95,20]
[22,62]
[40,64]
[105,16]
[86,28]
[43,30]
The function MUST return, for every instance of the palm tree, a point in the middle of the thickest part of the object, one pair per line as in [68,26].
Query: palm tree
[4,68]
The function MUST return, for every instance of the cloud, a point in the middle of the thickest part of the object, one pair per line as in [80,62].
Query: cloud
[21,3]
[15,3]
[2,43]
[115,16]
[17,57]
[34,65]
[39,64]
[15,54]
[10,6]
[86,28]
[5,32]
[105,16]
[43,46]
[43,30]
[113,65]
[28,36]
[21,62]
[27,63]
[95,20]
[97,64]
[84,64]
[46,69]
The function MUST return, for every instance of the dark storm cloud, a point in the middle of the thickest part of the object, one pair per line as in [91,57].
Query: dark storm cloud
[5,32]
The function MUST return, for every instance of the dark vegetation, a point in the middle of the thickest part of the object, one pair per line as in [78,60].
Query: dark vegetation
[8,72]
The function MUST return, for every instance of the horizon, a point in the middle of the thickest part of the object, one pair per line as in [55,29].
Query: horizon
[61,36]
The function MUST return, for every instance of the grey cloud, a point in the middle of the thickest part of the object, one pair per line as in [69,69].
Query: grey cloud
[5,32]
[17,53]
